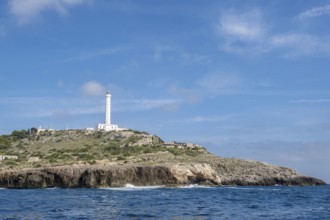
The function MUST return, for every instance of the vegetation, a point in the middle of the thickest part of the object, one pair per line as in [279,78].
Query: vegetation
[5,142]
[49,148]
[18,135]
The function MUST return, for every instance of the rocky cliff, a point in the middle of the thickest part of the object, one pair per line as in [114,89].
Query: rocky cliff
[119,175]
[118,158]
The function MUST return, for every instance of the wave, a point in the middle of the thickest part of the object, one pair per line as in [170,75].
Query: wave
[129,186]
[194,186]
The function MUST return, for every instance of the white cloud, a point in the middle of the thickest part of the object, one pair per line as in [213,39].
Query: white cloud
[300,44]
[242,32]
[315,12]
[28,10]
[221,83]
[248,33]
[93,88]
[246,26]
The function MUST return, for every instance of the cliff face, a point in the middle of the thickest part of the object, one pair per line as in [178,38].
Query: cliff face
[77,158]
[118,176]
[109,176]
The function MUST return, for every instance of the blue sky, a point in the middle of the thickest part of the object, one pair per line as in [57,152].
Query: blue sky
[246,79]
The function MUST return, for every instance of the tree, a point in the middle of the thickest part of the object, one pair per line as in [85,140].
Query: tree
[34,130]
[19,134]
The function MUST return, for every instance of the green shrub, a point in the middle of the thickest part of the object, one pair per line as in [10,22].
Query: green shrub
[98,134]
[121,158]
[133,139]
[9,162]
[53,160]
[58,156]
[52,150]
[147,151]
[5,142]
[140,132]
[113,148]
[36,165]
[176,151]
[19,134]
[86,157]
[192,153]
[37,154]
[20,145]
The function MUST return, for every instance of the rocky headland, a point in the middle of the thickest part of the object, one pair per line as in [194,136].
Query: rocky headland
[77,158]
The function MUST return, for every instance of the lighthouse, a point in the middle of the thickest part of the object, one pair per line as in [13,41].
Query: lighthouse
[108,108]
[107,126]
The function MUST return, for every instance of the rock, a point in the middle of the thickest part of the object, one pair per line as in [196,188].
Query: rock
[96,176]
[33,159]
[253,173]
[109,176]
[195,173]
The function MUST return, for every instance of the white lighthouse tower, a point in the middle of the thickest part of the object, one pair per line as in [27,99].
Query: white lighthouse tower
[107,126]
[108,108]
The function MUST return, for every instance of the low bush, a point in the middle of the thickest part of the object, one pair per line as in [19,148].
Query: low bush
[192,153]
[121,158]
[9,162]
[176,151]
[86,157]
[5,142]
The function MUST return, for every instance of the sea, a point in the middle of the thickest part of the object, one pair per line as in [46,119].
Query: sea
[158,202]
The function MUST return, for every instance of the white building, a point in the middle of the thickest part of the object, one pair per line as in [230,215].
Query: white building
[44,129]
[107,126]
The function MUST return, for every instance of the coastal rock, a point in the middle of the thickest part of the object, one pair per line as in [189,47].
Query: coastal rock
[120,175]
[195,173]
[109,176]
[253,173]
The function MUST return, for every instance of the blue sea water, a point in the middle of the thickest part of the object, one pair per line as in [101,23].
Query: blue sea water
[191,202]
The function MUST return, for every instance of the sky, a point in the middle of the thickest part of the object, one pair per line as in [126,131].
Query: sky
[245,79]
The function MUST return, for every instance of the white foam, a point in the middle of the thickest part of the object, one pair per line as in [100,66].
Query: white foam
[129,186]
[194,186]
[52,188]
